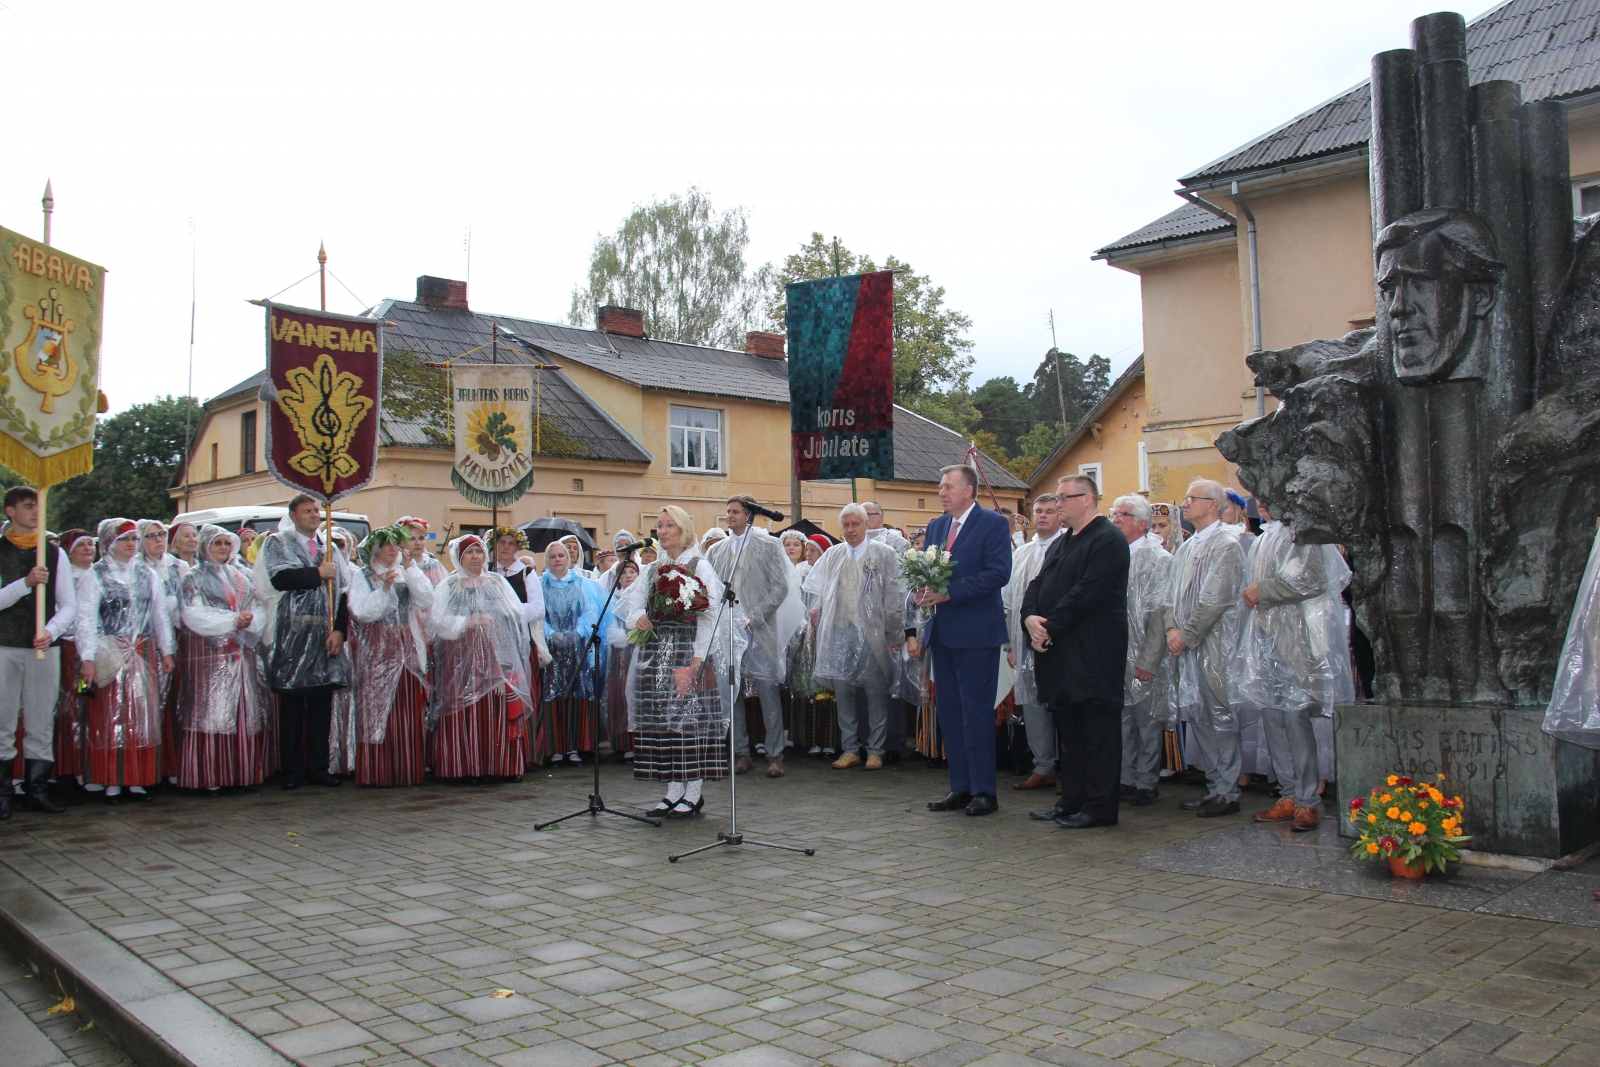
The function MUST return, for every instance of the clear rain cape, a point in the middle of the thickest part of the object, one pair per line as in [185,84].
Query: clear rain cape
[769,609]
[571,609]
[862,612]
[1294,647]
[654,704]
[1574,710]
[1026,562]
[123,626]
[298,660]
[480,641]
[386,639]
[1208,576]
[222,687]
[1149,590]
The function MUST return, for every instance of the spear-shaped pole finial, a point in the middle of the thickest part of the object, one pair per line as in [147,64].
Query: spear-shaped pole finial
[322,270]
[49,203]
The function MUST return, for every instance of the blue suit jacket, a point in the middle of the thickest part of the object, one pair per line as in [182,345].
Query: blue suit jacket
[974,616]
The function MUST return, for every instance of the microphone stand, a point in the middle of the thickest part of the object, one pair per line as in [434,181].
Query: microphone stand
[732,836]
[597,804]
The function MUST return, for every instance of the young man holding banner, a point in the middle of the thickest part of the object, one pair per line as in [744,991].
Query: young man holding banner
[29,684]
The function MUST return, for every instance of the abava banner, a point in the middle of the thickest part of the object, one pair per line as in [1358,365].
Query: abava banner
[50,314]
[493,408]
[841,376]
[323,389]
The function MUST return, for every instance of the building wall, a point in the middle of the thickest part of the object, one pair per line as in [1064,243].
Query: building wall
[1115,449]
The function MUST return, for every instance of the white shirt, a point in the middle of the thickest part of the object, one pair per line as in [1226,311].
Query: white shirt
[66,612]
[1048,540]
[1202,536]
[856,550]
[961,523]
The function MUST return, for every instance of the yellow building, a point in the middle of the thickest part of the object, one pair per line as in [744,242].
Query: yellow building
[1302,188]
[1107,444]
[628,424]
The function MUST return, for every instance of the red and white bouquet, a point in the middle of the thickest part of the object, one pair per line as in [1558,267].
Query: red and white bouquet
[675,596]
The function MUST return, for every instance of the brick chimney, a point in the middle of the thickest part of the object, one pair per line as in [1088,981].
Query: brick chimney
[625,321]
[442,293]
[765,345]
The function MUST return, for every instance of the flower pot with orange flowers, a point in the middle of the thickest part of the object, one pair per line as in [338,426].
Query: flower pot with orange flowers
[1411,824]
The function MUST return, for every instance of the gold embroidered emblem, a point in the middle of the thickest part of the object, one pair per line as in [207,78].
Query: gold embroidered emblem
[43,362]
[325,406]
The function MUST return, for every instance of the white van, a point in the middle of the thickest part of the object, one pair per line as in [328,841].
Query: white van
[265,519]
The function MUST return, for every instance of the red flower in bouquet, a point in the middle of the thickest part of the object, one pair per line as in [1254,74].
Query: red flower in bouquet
[676,595]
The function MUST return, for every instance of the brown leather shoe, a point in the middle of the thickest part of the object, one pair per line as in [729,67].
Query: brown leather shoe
[1283,811]
[1305,819]
[846,761]
[775,769]
[874,763]
[1036,781]
[741,765]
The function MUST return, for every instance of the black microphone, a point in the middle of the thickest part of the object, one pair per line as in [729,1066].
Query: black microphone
[625,549]
[756,509]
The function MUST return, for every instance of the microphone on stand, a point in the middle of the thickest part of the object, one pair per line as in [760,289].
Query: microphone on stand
[636,546]
[756,509]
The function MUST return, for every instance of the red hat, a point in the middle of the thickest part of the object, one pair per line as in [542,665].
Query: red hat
[821,541]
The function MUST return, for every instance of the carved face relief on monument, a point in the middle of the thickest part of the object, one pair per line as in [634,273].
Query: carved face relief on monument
[1437,278]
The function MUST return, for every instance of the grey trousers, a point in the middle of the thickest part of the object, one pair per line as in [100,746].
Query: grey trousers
[771,715]
[850,699]
[1041,727]
[29,687]
[1218,747]
[1141,746]
[1294,752]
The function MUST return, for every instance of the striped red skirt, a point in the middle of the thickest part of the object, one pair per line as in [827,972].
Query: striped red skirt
[114,756]
[536,727]
[478,742]
[571,724]
[171,745]
[69,716]
[215,761]
[399,758]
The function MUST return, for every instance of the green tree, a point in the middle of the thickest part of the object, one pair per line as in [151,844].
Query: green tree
[681,263]
[1083,383]
[137,453]
[1005,410]
[932,355]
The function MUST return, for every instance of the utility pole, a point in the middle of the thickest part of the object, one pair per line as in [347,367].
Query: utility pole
[188,400]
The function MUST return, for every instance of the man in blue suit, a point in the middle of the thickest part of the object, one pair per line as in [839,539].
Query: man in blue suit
[965,637]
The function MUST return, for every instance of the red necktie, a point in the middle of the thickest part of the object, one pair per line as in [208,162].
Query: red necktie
[955,526]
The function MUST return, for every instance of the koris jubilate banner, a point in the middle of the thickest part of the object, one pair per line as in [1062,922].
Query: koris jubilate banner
[325,377]
[841,376]
[50,309]
[493,407]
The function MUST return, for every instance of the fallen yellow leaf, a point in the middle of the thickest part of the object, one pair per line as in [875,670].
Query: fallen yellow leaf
[293,834]
[66,1005]
[501,994]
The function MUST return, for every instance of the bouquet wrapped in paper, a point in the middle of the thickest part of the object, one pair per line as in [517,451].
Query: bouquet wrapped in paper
[930,568]
[676,596]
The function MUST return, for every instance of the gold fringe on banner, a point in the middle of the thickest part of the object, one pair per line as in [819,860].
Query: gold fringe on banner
[46,470]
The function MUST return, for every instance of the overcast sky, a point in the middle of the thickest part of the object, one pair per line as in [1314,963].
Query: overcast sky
[993,146]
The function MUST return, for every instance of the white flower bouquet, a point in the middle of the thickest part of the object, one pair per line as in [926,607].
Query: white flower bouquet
[929,569]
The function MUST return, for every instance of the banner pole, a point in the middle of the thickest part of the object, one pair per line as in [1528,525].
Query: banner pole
[39,557]
[327,552]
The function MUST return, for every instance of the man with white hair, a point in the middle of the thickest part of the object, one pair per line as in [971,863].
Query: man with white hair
[1146,701]
[1202,628]
[860,628]
[1036,718]
[877,531]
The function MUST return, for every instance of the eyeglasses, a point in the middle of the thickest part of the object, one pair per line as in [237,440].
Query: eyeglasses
[1198,500]
[1071,496]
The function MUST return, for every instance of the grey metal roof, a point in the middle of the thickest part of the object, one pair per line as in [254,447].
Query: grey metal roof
[1549,47]
[1186,222]
[922,447]
[250,385]
[1135,370]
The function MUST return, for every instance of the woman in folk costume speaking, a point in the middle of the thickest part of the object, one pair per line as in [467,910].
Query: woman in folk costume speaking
[224,703]
[125,641]
[680,727]
[479,705]
[389,597]
[170,571]
[571,609]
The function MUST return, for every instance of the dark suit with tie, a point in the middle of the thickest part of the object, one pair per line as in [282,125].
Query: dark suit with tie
[1082,594]
[964,638]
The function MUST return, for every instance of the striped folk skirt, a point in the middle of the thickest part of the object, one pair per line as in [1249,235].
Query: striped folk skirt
[69,716]
[571,724]
[679,758]
[171,746]
[399,758]
[116,754]
[536,738]
[217,761]
[616,713]
[479,742]
[929,742]
[813,722]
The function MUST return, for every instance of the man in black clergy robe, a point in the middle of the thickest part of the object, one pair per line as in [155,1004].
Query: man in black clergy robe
[1075,613]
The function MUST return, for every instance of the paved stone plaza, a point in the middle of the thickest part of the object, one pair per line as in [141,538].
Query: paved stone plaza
[364,926]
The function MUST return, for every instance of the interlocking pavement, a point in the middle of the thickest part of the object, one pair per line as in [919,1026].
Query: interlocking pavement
[375,927]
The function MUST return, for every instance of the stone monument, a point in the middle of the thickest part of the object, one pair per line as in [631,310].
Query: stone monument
[1454,447]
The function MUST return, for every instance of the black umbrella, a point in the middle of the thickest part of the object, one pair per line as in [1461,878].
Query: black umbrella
[541,532]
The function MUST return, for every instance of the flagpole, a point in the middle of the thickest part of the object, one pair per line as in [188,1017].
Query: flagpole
[327,526]
[42,530]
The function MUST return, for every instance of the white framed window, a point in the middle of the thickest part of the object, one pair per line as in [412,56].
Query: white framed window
[1144,469]
[1093,471]
[696,439]
[1586,197]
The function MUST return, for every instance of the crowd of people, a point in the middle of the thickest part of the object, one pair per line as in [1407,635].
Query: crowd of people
[205,660]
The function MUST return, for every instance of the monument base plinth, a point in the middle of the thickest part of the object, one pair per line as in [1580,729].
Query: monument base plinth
[1525,793]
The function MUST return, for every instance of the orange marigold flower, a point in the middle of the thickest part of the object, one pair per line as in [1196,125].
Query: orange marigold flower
[1372,846]
[1418,828]
[1423,805]
[1404,816]
[1385,798]
[1393,813]
[1440,777]
[1393,779]
[1372,818]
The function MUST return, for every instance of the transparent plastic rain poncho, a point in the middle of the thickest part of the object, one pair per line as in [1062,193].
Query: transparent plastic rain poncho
[169,571]
[479,640]
[1294,647]
[654,705]
[298,631]
[911,675]
[222,688]
[123,626]
[386,638]
[1207,578]
[571,609]
[1149,590]
[769,609]
[862,613]
[1026,563]
[1574,711]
